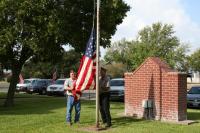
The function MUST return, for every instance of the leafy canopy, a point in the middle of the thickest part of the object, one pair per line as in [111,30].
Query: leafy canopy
[195,60]
[38,29]
[41,27]
[157,40]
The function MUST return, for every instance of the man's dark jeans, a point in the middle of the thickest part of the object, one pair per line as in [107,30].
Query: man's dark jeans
[105,108]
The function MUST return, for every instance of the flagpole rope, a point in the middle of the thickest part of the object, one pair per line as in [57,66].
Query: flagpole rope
[94,9]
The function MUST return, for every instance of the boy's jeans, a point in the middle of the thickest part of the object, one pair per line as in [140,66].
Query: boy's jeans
[70,104]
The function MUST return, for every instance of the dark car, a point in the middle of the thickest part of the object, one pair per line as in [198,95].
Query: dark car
[40,86]
[117,89]
[193,97]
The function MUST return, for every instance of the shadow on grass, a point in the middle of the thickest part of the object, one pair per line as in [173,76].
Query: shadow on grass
[113,105]
[33,105]
[38,104]
[124,121]
[22,95]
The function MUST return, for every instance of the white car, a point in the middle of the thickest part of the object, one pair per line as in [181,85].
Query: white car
[57,88]
[117,89]
[27,82]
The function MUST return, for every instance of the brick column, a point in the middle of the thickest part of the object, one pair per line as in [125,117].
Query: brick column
[174,101]
[155,81]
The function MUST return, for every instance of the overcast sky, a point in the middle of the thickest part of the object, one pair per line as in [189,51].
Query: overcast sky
[183,14]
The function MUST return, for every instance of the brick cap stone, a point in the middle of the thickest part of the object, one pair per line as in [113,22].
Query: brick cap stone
[128,74]
[176,73]
[162,64]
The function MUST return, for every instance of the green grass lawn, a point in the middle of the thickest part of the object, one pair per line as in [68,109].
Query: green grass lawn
[43,114]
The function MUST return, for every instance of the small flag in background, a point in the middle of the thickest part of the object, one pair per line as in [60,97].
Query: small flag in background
[87,68]
[54,77]
[21,79]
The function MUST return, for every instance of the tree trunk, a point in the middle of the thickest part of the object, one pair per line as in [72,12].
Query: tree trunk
[1,71]
[11,91]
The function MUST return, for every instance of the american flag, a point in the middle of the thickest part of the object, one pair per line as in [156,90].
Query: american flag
[21,79]
[87,68]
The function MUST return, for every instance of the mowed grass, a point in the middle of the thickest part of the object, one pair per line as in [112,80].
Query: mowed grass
[44,114]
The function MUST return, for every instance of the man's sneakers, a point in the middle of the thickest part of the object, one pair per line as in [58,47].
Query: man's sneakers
[77,122]
[69,124]
[105,125]
[108,125]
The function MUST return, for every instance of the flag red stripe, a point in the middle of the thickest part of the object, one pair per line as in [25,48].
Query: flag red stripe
[91,79]
[85,71]
[81,64]
[87,68]
[80,71]
[88,80]
[94,56]
[21,79]
[85,74]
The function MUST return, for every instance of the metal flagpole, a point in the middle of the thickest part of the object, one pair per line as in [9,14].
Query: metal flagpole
[97,66]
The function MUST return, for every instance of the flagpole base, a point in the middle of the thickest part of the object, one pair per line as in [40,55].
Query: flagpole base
[93,128]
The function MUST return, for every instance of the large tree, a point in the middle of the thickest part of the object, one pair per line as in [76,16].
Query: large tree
[40,69]
[30,28]
[157,40]
[195,60]
[119,53]
[1,71]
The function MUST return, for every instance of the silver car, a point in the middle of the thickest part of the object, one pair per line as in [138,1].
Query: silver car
[27,83]
[57,88]
[193,97]
[117,89]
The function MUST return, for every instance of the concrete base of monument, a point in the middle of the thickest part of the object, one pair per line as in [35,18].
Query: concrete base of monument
[184,122]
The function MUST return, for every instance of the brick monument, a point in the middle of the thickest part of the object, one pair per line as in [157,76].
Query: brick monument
[155,81]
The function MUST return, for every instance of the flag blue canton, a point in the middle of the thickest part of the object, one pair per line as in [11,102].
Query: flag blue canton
[90,49]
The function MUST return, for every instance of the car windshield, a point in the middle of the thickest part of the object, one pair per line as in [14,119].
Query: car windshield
[194,90]
[27,81]
[34,82]
[40,82]
[60,82]
[117,83]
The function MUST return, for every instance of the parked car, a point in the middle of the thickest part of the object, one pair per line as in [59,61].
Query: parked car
[27,82]
[57,88]
[193,97]
[117,89]
[39,86]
